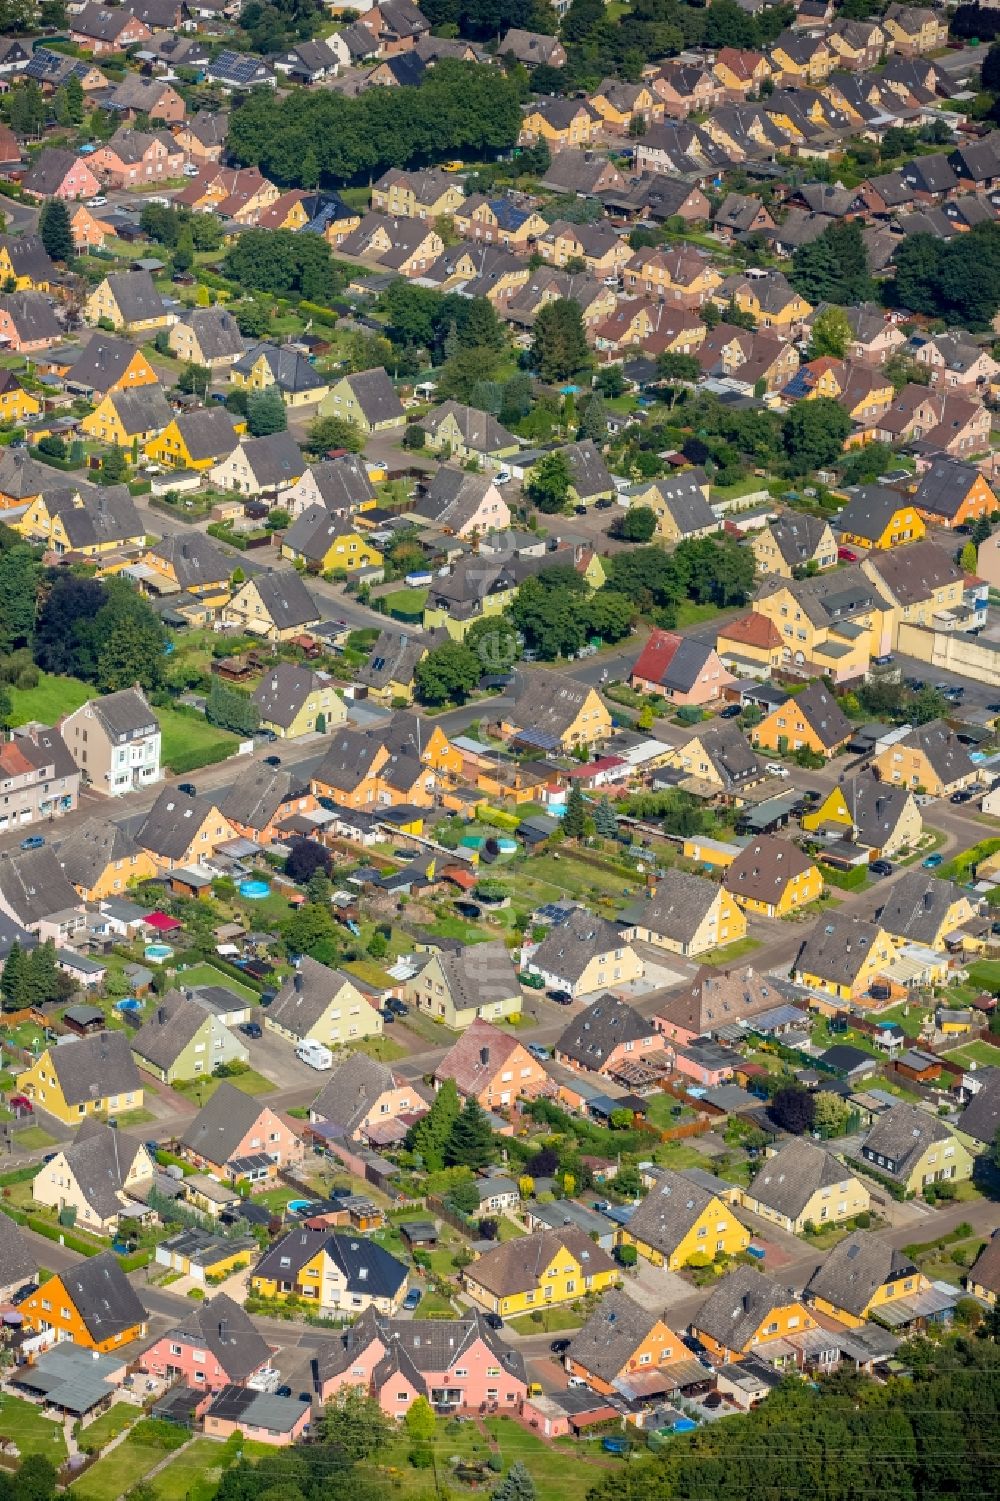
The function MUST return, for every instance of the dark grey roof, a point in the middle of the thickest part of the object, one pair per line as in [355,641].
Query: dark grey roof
[94,1068]
[46,173]
[453,498]
[195,558]
[787,1181]
[549,701]
[416,1346]
[480,431]
[305,995]
[612,1334]
[274,459]
[479,975]
[822,711]
[684,498]
[29,257]
[355,1084]
[100,1158]
[291,370]
[875,808]
[366,1266]
[606,1024]
[32,315]
[947,755]
[90,848]
[286,599]
[393,659]
[259,793]
[677,909]
[918,906]
[869,511]
[729,751]
[103,1296]
[376,395]
[836,948]
[797,537]
[315,531]
[900,1136]
[216,1132]
[343,483]
[669,1210]
[135,295]
[125,715]
[33,886]
[172,822]
[216,330]
[18,1258]
[981,1117]
[208,432]
[144,409]
[168,1029]
[103,361]
[567,949]
[740,1303]
[852,1272]
[220,1325]
[283,690]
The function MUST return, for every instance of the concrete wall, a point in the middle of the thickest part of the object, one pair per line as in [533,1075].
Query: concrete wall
[970,655]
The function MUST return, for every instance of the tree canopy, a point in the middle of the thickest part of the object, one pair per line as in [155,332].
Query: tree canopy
[957,280]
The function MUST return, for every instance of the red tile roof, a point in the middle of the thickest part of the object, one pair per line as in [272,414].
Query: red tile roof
[753,630]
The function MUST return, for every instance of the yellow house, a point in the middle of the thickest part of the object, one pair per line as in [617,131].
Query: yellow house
[417,195]
[983,1280]
[323,1004]
[270,365]
[129,301]
[801,59]
[475,982]
[561,122]
[293,700]
[25,265]
[65,522]
[913,29]
[680,505]
[804,1183]
[794,542]
[810,720]
[679,1223]
[687,915]
[16,404]
[769,300]
[618,104]
[95,1075]
[842,957]
[568,712]
[533,1271]
[928,758]
[498,222]
[195,440]
[915,1150]
[837,643]
[922,909]
[126,417]
[328,545]
[101,860]
[750,646]
[714,853]
[861,1275]
[881,518]
[276,606]
[773,877]
[882,818]
[330,1271]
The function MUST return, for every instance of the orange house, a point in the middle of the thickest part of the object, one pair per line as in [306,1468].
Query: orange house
[811,720]
[94,1305]
[954,494]
[491,1065]
[89,231]
[622,1340]
[746,1309]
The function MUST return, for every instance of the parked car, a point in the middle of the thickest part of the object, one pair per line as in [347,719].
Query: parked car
[578,1382]
[33,842]
[24,1292]
[880,868]
[559,1346]
[775,769]
[604,504]
[932,862]
[412,1299]
[251,1029]
[533,982]
[188,788]
[397,1007]
[537,1051]
[272,760]
[492,1321]
[963,796]
[731,711]
[561,997]
[98,201]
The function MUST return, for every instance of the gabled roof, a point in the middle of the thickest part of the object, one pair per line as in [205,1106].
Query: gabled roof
[913,574]
[195,558]
[612,1334]
[799,537]
[100,1159]
[763,869]
[33,885]
[752,630]
[135,295]
[981,1117]
[353,1087]
[17,1255]
[901,1136]
[917,906]
[478,975]
[367,1268]
[94,1068]
[273,459]
[852,1272]
[91,847]
[717,997]
[947,756]
[286,599]
[216,1132]
[475,1059]
[568,948]
[549,702]
[787,1181]
[518,1265]
[731,754]
[168,1029]
[822,713]
[103,1297]
[835,950]
[677,909]
[669,1211]
[172,822]
[305,996]
[606,1024]
[421,1348]
[739,1305]
[283,690]
[222,1327]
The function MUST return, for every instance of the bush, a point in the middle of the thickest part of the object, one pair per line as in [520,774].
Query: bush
[626,1255]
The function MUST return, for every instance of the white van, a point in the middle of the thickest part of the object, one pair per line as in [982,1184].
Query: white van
[314,1053]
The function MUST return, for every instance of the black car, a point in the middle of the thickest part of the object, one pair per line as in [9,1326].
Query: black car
[283,1391]
[327,803]
[731,711]
[604,505]
[272,760]
[561,997]
[961,797]
[915,683]
[492,1321]
[398,1007]
[559,1346]
[993,708]
[880,868]
[251,1029]
[24,1292]
[812,796]
[188,788]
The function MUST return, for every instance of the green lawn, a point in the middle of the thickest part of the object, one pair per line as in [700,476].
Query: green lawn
[406,601]
[23,1422]
[206,974]
[977,1052]
[118,1471]
[555,1470]
[275,1198]
[202,1090]
[384,1049]
[194,1474]
[985,974]
[730,952]
[34,1136]
[578,878]
[183,733]
[690,613]
[49,700]
[660,1110]
[109,1425]
[552,1320]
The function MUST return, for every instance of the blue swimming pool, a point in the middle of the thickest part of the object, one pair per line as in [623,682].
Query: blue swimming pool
[255,891]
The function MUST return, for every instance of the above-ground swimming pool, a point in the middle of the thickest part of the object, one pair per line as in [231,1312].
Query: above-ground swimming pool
[255,891]
[128,1004]
[158,952]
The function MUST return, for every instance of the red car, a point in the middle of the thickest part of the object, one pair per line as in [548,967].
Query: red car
[21,1102]
[845,555]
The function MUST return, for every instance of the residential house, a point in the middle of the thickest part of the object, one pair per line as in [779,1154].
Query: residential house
[342,486]
[368,400]
[194,440]
[718,757]
[417,195]
[680,505]
[589,477]
[794,542]
[236,1137]
[922,909]
[714,999]
[532,48]
[548,1267]
[928,758]
[242,194]
[55,173]
[980,1120]
[687,915]
[745,1309]
[155,99]
[476,587]
[396,26]
[331,1272]
[954,494]
[811,720]
[260,466]
[583,173]
[599,246]
[326,544]
[358,771]
[126,417]
[39,777]
[129,301]
[203,136]
[106,363]
[180,1040]
[876,517]
[216,1343]
[362,1096]
[293,701]
[552,711]
[407,246]
[263,800]
[28,323]
[18,1258]
[400,1360]
[16,404]
[804,1184]
[478,981]
[983,1277]
[207,336]
[875,336]
[36,895]
[388,672]
[560,123]
[956,362]
[181,831]
[25,262]
[191,563]
[238,71]
[682,89]
[606,1037]
[681,669]
[93,1304]
[499,221]
[101,29]
[861,1275]
[681,276]
[740,215]
[881,818]
[276,606]
[132,158]
[951,422]
[115,741]
[83,519]
[680,1223]
[769,300]
[243,1412]
[843,957]
[101,859]
[266,366]
[492,1066]
[773,877]
[96,1174]
[89,230]
[91,1076]
[829,627]
[462,504]
[623,1343]
[750,647]
[915,1150]
[913,30]
[324,1005]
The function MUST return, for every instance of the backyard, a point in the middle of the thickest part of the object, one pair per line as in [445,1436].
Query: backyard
[32,1433]
[183,735]
[120,1470]
[50,699]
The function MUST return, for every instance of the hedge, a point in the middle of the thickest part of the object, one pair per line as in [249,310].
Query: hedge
[890,1187]
[847,880]
[18,1175]
[66,465]
[320,313]
[233,971]
[224,533]
[194,760]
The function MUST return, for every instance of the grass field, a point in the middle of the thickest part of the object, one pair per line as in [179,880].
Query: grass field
[730,952]
[23,1422]
[207,974]
[578,878]
[985,974]
[202,1090]
[183,733]
[109,1425]
[980,1053]
[52,698]
[406,601]
[195,1473]
[118,1471]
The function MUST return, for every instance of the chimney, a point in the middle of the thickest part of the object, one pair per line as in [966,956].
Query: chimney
[161,1015]
[298,983]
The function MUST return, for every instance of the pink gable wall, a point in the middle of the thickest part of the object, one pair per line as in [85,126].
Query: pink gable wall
[203,1373]
[270,1134]
[483,1381]
[79,182]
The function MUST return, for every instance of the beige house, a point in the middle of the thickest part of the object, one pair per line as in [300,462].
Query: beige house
[115,741]
[129,301]
[583,955]
[207,336]
[96,1175]
[456,988]
[276,606]
[804,1184]
[324,1005]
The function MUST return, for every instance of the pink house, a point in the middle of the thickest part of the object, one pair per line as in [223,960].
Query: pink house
[134,156]
[236,1137]
[278,1421]
[460,1364]
[55,173]
[362,1095]
[705,1062]
[216,1345]
[682,669]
